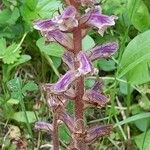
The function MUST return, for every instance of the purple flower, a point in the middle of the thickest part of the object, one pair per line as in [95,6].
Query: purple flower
[92,97]
[96,132]
[85,64]
[68,58]
[52,29]
[97,86]
[64,82]
[67,20]
[60,37]
[68,120]
[103,51]
[94,18]
[44,126]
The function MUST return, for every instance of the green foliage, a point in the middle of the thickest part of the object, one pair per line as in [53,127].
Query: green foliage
[138,14]
[20,117]
[135,61]
[51,49]
[142,141]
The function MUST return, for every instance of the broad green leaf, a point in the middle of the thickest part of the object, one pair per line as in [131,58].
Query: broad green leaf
[136,59]
[9,17]
[64,133]
[143,141]
[51,49]
[106,65]
[47,8]
[139,14]
[20,117]
[87,43]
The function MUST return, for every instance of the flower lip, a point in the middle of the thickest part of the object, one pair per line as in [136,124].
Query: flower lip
[103,51]
[64,82]
[95,18]
[44,25]
[85,63]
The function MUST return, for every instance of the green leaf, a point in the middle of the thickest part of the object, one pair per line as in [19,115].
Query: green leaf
[134,118]
[134,65]
[30,86]
[9,17]
[143,141]
[64,133]
[13,101]
[51,49]
[2,46]
[139,14]
[11,54]
[20,117]
[106,65]
[48,8]
[87,43]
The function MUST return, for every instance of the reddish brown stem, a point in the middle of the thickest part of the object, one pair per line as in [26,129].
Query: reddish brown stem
[55,132]
[79,106]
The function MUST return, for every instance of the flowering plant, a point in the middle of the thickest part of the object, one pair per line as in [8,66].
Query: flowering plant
[68,29]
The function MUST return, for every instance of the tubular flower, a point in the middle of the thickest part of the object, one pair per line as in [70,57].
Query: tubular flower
[95,132]
[52,29]
[94,18]
[103,51]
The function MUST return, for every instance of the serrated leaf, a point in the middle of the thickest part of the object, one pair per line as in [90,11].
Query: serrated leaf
[12,53]
[20,117]
[51,49]
[135,60]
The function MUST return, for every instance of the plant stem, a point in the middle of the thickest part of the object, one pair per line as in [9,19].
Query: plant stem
[79,105]
[55,132]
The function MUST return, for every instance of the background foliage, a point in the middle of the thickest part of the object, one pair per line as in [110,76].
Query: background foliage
[26,62]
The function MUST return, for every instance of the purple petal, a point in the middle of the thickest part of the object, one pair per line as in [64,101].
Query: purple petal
[68,58]
[85,64]
[103,51]
[44,126]
[68,120]
[68,19]
[97,86]
[96,132]
[44,25]
[55,101]
[95,98]
[64,82]
[60,37]
[94,18]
